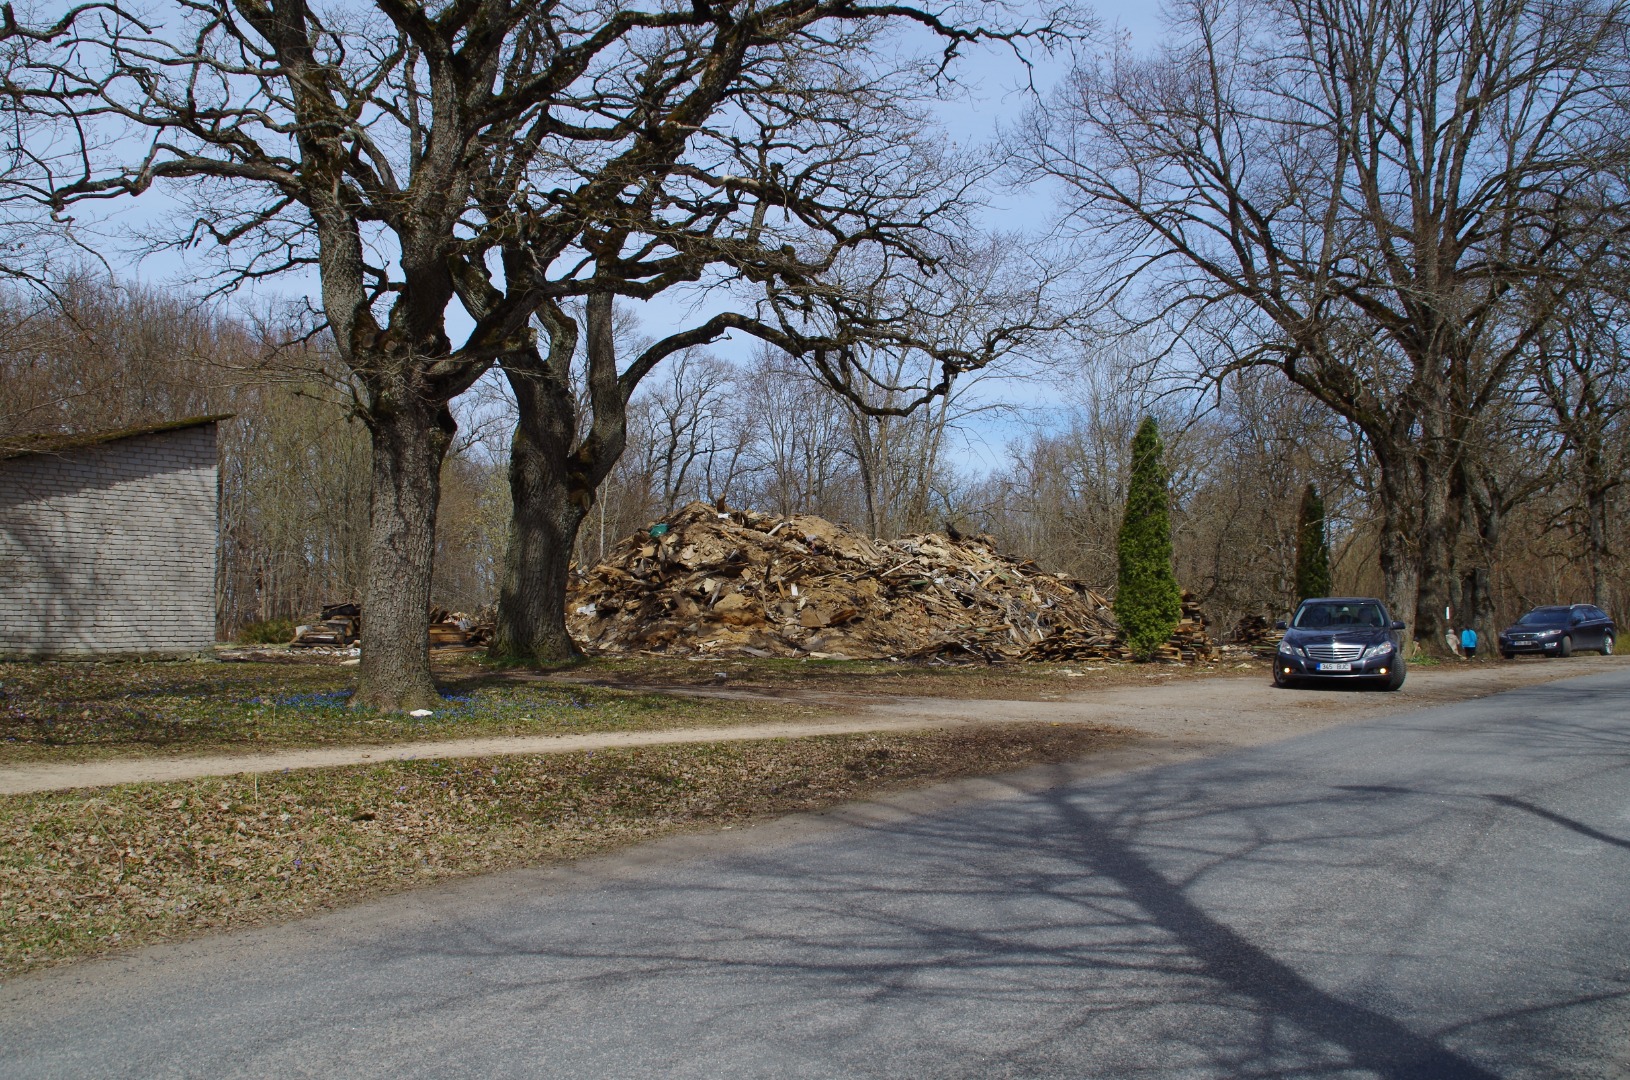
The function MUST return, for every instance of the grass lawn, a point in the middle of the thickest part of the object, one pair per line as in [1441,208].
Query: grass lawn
[76,711]
[80,711]
[87,872]
[1011,681]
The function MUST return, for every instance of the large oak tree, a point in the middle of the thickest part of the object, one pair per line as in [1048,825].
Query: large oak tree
[453,173]
[1384,199]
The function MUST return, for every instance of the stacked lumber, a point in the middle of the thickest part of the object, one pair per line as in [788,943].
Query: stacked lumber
[713,582]
[1189,641]
[457,629]
[338,625]
[1256,633]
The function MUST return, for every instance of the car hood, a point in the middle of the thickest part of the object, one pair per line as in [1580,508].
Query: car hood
[1356,635]
[1534,628]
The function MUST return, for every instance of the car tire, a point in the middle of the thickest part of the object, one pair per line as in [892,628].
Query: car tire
[1566,648]
[1280,682]
[1607,645]
[1395,681]
[1508,656]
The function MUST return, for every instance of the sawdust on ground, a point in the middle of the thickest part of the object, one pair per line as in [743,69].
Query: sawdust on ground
[1180,717]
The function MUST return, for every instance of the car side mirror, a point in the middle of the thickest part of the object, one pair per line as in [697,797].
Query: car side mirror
[1281,625]
[1396,625]
[1576,620]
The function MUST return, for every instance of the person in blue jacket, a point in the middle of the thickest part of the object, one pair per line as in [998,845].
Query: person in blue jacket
[1468,643]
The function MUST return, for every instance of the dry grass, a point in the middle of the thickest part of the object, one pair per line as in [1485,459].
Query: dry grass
[84,873]
[972,681]
[80,711]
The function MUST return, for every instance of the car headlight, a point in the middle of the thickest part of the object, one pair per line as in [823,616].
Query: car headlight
[1377,650]
[1549,633]
[1287,649]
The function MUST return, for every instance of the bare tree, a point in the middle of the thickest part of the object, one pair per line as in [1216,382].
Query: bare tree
[503,155]
[1393,193]
[90,354]
[35,245]
[777,154]
[1583,379]
[679,428]
[350,145]
[797,460]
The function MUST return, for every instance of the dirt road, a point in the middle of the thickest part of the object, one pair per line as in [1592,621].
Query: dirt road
[1190,715]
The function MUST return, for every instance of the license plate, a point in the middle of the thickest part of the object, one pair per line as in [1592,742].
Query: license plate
[1335,667]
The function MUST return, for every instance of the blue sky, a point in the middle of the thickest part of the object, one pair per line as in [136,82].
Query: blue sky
[993,93]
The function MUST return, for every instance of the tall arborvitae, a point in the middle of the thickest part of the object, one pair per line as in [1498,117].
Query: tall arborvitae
[1148,603]
[1312,548]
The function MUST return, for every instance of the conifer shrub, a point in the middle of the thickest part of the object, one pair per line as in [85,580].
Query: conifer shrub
[1312,548]
[1148,603]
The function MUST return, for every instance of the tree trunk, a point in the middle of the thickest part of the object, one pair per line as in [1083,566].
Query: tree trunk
[1596,487]
[1399,565]
[554,478]
[409,440]
[548,509]
[1596,552]
[1439,529]
[1485,504]
[1477,605]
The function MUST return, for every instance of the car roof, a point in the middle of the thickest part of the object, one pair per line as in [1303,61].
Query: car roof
[1341,600]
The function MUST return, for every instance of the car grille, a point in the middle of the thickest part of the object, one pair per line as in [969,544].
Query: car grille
[1335,650]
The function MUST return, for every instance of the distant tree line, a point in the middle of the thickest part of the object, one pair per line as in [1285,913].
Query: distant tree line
[766,434]
[1376,248]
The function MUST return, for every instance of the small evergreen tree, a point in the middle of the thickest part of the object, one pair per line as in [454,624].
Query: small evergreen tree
[1148,603]
[1312,548]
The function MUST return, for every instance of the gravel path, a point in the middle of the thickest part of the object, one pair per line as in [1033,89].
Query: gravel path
[1198,714]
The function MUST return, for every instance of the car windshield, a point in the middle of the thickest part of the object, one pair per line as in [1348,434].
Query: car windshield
[1543,615]
[1335,615]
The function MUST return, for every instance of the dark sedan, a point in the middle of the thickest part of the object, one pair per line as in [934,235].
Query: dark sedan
[1560,631]
[1338,639]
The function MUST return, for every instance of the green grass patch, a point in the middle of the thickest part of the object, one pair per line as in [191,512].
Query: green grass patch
[83,873]
[79,711]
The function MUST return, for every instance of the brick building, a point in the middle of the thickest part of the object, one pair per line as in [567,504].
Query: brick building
[108,543]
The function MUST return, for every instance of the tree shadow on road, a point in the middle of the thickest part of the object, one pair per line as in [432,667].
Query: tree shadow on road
[1319,909]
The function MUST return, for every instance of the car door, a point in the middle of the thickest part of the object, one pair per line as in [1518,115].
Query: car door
[1586,632]
[1604,624]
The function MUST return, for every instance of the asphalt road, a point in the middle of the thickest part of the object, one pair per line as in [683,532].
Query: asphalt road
[1437,895]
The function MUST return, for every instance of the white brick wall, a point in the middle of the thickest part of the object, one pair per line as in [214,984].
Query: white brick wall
[110,549]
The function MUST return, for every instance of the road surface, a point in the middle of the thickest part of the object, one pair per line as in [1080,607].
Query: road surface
[1438,895]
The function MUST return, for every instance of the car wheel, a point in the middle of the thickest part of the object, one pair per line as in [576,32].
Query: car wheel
[1280,681]
[1566,648]
[1607,645]
[1395,681]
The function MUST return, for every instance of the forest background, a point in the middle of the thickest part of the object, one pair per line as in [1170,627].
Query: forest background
[1033,449]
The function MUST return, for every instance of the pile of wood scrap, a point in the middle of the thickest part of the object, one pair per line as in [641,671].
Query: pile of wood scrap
[1188,643]
[1256,633]
[452,629]
[340,625]
[711,582]
[1190,640]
